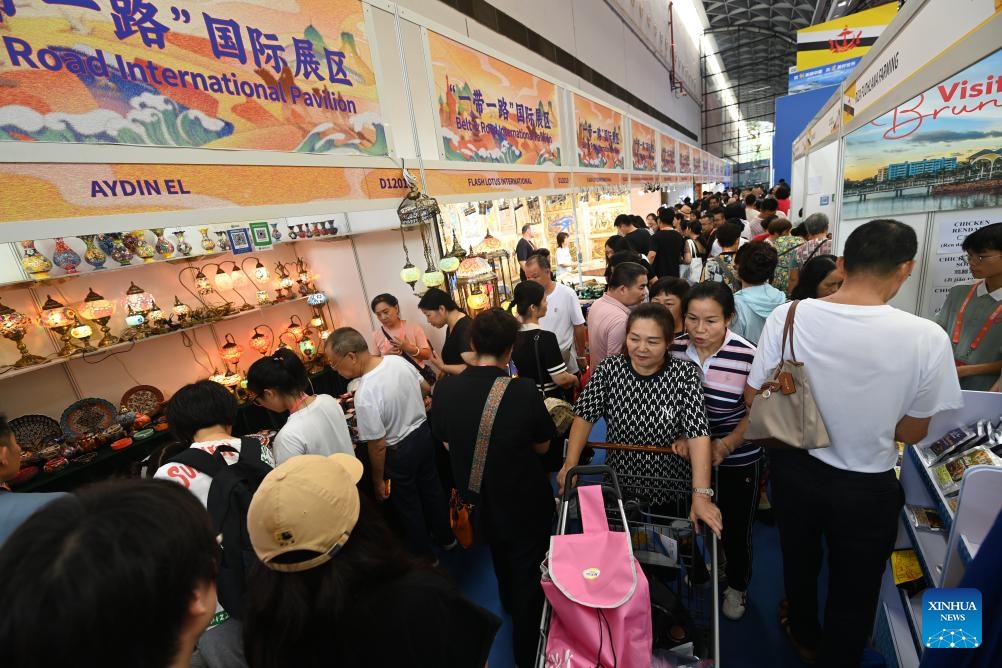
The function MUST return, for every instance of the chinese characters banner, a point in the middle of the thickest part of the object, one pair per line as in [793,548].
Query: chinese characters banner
[490,111]
[669,161]
[697,162]
[286,75]
[599,135]
[645,157]
[684,158]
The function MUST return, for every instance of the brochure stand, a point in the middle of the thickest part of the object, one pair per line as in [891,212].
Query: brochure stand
[943,556]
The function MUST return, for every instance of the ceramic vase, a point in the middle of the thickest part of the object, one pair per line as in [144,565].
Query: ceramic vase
[144,249]
[222,241]
[208,245]
[105,243]
[65,257]
[93,256]
[303,234]
[292,233]
[163,245]
[276,235]
[317,232]
[34,263]
[183,247]
[120,253]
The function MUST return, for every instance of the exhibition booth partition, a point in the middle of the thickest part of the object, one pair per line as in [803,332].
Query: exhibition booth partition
[912,135]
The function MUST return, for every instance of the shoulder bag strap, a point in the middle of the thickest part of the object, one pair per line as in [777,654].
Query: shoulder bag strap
[403,353]
[484,432]
[788,333]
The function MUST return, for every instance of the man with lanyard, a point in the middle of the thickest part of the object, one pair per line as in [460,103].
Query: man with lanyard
[971,312]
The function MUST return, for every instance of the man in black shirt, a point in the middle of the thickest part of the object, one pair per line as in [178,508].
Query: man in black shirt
[639,238]
[523,249]
[666,247]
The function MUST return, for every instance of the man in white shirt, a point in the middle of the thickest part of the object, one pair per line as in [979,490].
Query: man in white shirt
[563,312]
[391,417]
[878,375]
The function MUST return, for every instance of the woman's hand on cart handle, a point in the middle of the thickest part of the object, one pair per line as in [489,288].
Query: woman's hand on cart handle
[704,510]
[561,479]
[681,448]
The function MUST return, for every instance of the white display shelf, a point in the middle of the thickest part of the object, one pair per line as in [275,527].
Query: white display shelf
[12,372]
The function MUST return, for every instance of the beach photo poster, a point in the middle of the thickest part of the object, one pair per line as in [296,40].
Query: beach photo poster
[939,151]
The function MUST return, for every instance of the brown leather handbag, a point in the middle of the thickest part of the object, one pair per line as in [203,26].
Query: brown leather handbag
[784,409]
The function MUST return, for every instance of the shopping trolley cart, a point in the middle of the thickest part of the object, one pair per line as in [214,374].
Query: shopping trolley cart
[680,565]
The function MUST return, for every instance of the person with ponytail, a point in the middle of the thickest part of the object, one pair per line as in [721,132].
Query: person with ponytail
[537,354]
[316,424]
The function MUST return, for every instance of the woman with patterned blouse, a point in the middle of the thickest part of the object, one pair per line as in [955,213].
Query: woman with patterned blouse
[648,397]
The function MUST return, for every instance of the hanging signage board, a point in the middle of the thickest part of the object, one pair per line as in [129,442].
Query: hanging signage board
[294,76]
[685,158]
[697,162]
[952,227]
[644,142]
[801,81]
[845,38]
[669,156]
[42,191]
[909,51]
[452,181]
[490,111]
[598,179]
[599,134]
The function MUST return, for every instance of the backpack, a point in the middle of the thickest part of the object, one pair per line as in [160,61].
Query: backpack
[230,493]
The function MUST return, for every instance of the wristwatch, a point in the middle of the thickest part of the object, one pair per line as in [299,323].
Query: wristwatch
[705,491]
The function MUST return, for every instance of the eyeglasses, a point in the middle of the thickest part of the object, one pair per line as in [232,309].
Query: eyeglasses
[254,399]
[979,258]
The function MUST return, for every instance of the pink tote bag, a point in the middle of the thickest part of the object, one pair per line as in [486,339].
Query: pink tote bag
[601,604]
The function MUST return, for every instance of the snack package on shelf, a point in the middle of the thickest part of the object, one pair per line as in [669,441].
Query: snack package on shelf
[925,519]
[949,474]
[954,442]
[906,568]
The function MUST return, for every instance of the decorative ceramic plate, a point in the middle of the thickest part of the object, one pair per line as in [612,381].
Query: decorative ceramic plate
[144,399]
[86,458]
[88,416]
[31,430]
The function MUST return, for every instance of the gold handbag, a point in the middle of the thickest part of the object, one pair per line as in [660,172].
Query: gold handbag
[784,409]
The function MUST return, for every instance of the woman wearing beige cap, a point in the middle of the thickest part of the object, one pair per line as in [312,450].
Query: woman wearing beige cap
[334,588]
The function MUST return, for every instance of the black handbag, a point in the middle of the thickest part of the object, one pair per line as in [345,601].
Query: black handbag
[426,373]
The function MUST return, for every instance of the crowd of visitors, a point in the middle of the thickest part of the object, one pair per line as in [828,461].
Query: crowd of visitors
[326,552]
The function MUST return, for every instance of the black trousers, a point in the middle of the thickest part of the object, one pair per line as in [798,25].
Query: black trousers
[856,514]
[737,498]
[416,493]
[516,566]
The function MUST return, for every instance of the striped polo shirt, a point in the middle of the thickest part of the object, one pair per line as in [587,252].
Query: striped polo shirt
[725,374]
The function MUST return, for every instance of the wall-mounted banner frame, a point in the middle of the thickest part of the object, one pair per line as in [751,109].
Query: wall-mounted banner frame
[644,147]
[490,111]
[599,134]
[289,75]
[685,158]
[669,156]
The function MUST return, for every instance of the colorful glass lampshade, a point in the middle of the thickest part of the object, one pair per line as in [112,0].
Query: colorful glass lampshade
[410,274]
[474,269]
[95,307]
[156,316]
[260,271]
[477,301]
[180,309]
[433,278]
[259,343]
[55,315]
[135,320]
[263,297]
[449,264]
[202,283]
[296,328]
[139,300]
[223,280]
[13,326]
[317,321]
[417,208]
[308,348]
[82,333]
[286,282]
[231,351]
[490,246]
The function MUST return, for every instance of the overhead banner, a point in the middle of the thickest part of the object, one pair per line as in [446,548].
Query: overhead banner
[844,38]
[645,157]
[697,162]
[288,75]
[490,111]
[669,159]
[42,191]
[598,180]
[599,134]
[452,182]
[939,23]
[938,151]
[819,77]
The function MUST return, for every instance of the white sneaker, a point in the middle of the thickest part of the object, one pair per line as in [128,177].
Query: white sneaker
[734,604]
